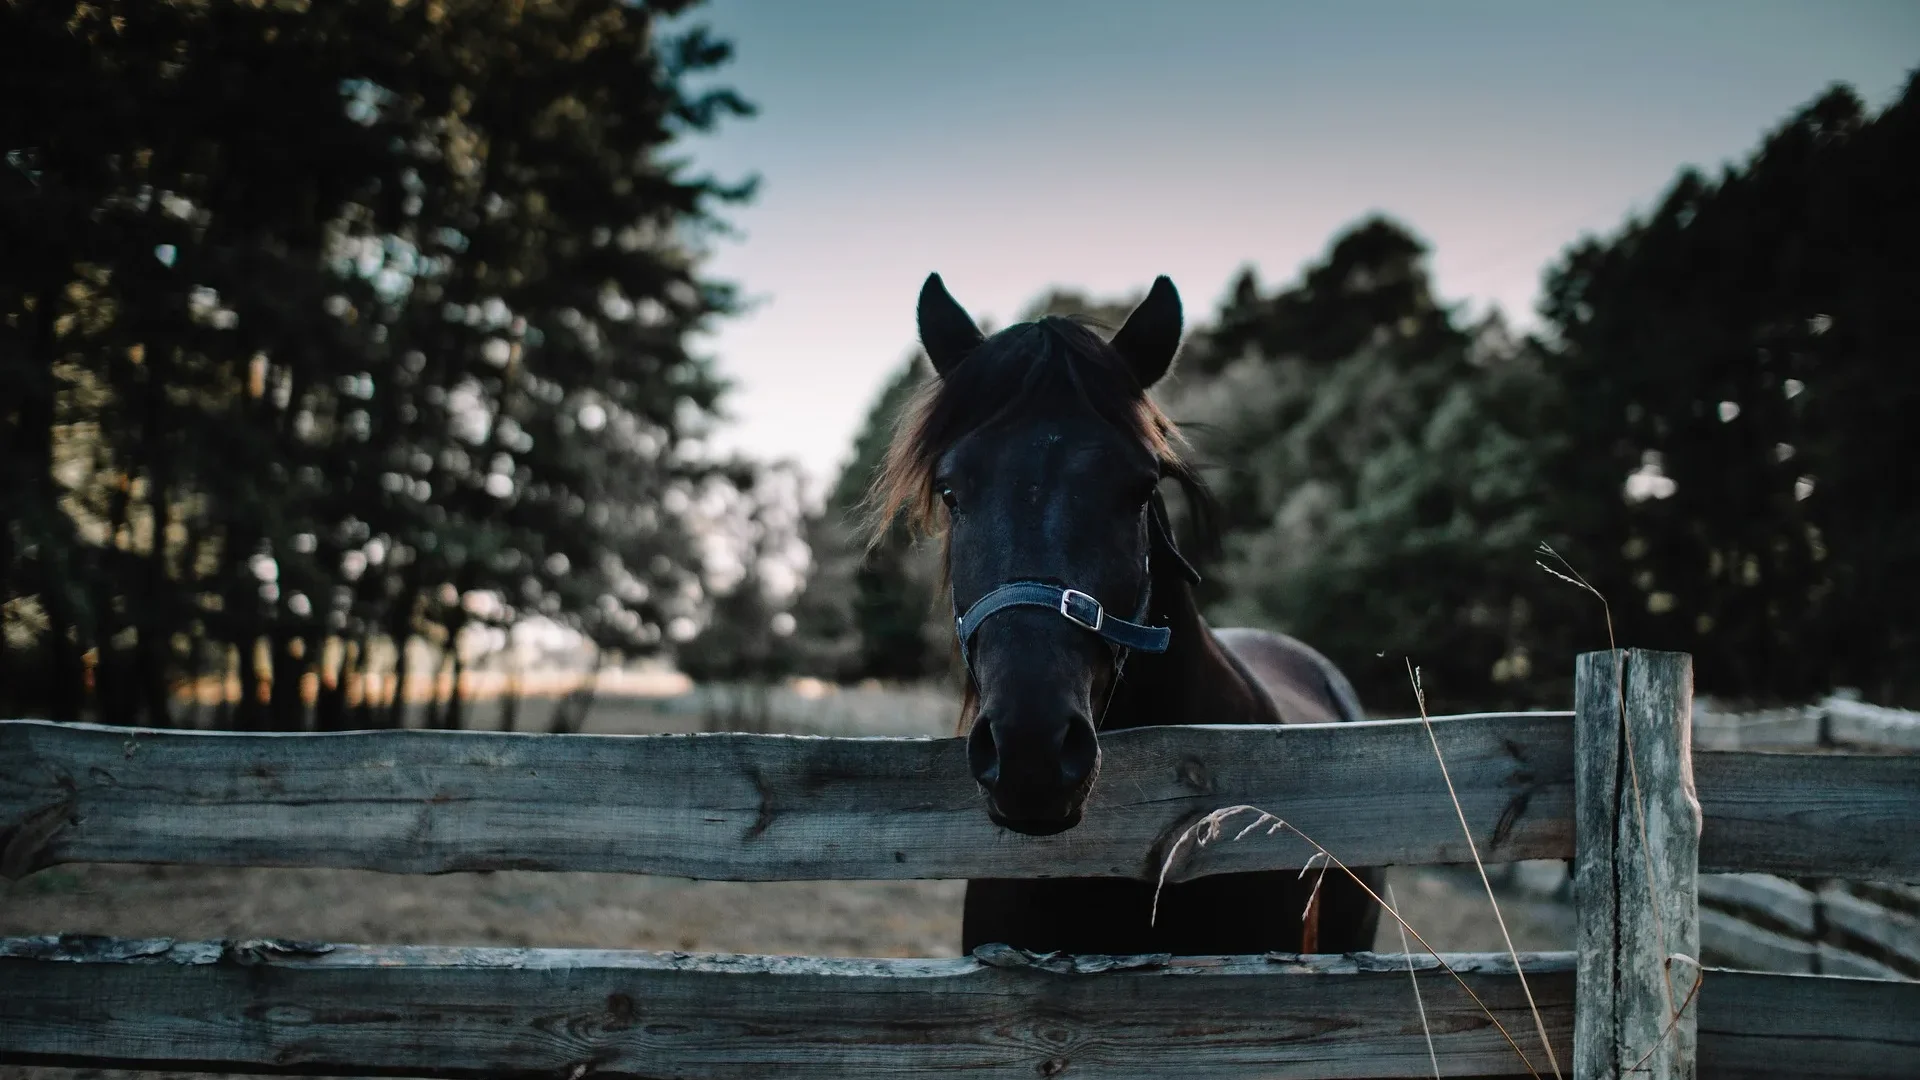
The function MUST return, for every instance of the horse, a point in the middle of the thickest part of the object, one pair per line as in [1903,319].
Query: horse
[1038,457]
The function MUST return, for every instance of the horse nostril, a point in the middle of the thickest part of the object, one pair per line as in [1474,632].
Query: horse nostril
[983,756]
[1079,753]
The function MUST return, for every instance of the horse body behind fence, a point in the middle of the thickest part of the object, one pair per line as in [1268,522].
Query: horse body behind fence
[1075,614]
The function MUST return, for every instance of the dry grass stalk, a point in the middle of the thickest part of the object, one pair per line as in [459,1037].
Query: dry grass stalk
[1539,1025]
[1418,1002]
[1208,829]
[1699,975]
[1675,1011]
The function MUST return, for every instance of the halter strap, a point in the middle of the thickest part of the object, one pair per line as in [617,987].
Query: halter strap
[1073,605]
[1082,609]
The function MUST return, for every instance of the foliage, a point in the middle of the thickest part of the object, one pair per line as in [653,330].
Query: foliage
[342,326]
[1376,468]
[1714,428]
[879,602]
[751,530]
[330,330]
[1742,359]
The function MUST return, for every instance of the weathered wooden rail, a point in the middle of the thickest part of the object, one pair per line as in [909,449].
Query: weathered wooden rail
[754,807]
[1809,923]
[763,807]
[781,807]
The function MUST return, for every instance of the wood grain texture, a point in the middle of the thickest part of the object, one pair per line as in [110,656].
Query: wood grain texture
[1761,1026]
[1734,942]
[1810,815]
[290,1007]
[768,807]
[1834,960]
[1857,723]
[1775,900]
[1636,866]
[765,807]
[1880,931]
[279,1007]
[1793,727]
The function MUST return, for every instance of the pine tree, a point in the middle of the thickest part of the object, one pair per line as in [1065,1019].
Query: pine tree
[1739,386]
[341,327]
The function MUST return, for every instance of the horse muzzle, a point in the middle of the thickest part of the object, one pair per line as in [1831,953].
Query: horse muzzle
[1036,826]
[1036,777]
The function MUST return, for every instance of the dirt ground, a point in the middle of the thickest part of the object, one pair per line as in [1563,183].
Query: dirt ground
[826,918]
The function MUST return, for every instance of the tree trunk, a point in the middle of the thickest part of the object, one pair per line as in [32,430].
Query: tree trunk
[53,539]
[289,711]
[510,702]
[454,719]
[362,713]
[330,703]
[66,680]
[153,617]
[399,632]
[223,712]
[250,714]
[114,675]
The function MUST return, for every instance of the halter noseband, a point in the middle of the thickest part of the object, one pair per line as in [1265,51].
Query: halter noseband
[1080,608]
[1075,606]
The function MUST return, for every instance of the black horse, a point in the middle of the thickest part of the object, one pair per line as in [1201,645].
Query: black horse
[1039,456]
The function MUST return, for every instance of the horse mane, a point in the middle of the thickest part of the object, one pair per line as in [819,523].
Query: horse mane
[1050,362]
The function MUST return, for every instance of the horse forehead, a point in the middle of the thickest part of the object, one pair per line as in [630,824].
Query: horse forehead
[1075,448]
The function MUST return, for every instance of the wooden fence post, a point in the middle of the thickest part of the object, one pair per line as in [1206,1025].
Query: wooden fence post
[1636,867]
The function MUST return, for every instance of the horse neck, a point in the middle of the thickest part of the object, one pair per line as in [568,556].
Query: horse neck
[1194,681]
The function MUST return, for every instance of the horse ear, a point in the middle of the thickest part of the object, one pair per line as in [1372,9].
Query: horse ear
[1152,333]
[946,330]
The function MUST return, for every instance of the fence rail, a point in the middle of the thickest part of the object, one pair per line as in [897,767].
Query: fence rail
[751,807]
[762,807]
[423,1011]
[782,807]
[1810,923]
[291,1007]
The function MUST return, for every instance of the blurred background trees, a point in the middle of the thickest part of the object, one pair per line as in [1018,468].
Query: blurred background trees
[341,327]
[1749,354]
[1713,425]
[346,344]
[881,599]
[1374,461]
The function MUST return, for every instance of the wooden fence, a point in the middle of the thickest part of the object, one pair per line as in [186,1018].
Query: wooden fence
[1810,924]
[1613,785]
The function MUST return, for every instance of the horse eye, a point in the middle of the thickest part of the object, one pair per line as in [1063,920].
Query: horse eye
[947,496]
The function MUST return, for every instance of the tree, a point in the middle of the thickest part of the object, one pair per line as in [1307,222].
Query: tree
[1737,367]
[754,560]
[883,593]
[1375,467]
[345,324]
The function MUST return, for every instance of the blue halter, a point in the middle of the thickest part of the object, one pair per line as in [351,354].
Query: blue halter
[1080,608]
[1073,605]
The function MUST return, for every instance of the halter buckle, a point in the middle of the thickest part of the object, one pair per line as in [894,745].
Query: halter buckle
[1074,604]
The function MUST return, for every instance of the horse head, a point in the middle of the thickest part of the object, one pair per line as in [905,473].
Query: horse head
[1038,454]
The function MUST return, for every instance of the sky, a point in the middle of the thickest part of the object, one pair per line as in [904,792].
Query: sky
[1017,146]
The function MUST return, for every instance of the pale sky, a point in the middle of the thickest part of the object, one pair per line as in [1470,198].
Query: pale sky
[1014,146]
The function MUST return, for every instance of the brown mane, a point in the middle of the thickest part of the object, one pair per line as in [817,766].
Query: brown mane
[1054,361]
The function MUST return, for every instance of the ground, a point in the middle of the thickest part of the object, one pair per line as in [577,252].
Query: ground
[827,918]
